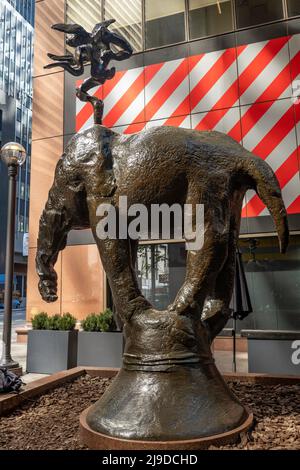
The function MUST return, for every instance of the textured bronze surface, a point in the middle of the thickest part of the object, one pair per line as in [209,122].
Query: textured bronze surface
[97,441]
[169,388]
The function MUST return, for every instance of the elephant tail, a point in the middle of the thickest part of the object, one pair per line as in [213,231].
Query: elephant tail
[264,182]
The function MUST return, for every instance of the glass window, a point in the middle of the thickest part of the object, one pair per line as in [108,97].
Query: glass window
[86,13]
[165,22]
[20,223]
[293,7]
[128,16]
[19,114]
[22,190]
[161,271]
[209,17]
[273,281]
[252,12]
[16,54]
[0,127]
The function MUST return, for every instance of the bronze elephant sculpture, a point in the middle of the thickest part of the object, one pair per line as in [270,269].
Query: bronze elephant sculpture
[169,387]
[160,165]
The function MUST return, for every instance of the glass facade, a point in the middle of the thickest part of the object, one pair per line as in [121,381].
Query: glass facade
[253,12]
[25,8]
[16,69]
[161,271]
[0,128]
[273,279]
[293,7]
[164,22]
[274,282]
[86,13]
[150,24]
[128,16]
[208,17]
[16,55]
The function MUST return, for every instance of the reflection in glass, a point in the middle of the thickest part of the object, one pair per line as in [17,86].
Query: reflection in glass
[161,271]
[86,13]
[165,22]
[252,12]
[16,64]
[209,17]
[293,7]
[25,8]
[274,283]
[128,16]
[273,279]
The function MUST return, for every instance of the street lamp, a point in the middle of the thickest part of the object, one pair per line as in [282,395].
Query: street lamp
[14,155]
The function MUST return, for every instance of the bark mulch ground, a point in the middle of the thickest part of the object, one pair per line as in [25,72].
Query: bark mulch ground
[50,422]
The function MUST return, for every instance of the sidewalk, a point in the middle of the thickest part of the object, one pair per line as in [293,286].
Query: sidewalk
[19,351]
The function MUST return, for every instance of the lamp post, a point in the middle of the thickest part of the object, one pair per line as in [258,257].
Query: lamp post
[14,155]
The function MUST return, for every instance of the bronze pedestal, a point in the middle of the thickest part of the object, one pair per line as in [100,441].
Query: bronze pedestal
[168,392]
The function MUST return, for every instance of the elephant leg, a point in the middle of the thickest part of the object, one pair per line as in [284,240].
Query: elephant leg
[133,254]
[216,311]
[204,265]
[117,257]
[134,245]
[64,210]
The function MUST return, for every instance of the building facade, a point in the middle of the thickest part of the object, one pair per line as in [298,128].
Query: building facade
[16,67]
[231,66]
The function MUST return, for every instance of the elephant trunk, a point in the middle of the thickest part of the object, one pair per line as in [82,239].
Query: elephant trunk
[265,183]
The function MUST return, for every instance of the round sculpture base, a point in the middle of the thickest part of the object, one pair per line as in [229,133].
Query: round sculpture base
[97,441]
[168,393]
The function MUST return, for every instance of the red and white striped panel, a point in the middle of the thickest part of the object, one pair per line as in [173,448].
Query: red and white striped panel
[221,120]
[264,73]
[213,79]
[244,92]
[124,97]
[294,207]
[167,89]
[185,123]
[84,111]
[272,137]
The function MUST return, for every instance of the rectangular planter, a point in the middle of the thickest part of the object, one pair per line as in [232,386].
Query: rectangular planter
[273,352]
[51,351]
[100,349]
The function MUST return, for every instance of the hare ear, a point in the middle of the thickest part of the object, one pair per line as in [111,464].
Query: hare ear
[70,28]
[107,23]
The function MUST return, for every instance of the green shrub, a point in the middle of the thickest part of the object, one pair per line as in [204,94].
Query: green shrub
[65,322]
[90,323]
[102,322]
[53,323]
[106,321]
[40,321]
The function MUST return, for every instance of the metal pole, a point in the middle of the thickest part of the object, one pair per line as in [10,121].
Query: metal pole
[6,359]
[234,345]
